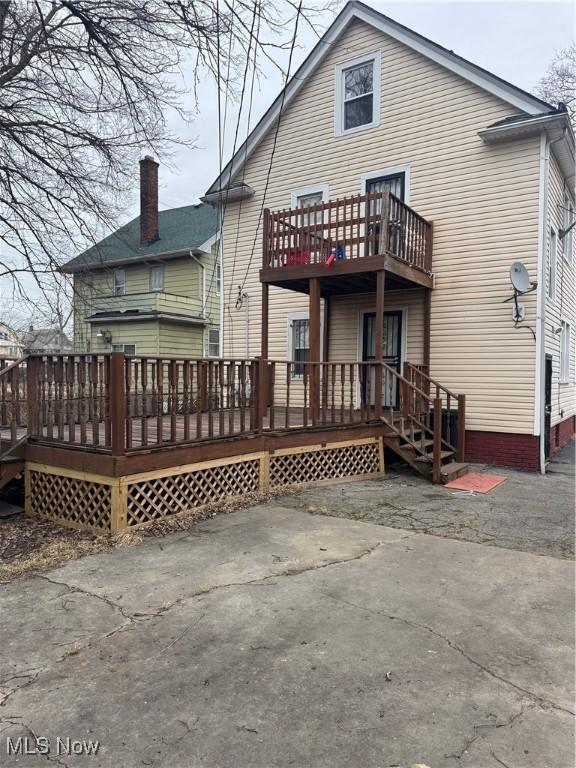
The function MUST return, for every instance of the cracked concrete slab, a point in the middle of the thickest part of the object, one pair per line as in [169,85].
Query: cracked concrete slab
[271,637]
[528,512]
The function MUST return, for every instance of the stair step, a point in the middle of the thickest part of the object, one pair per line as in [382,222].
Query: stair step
[453,470]
[421,444]
[443,455]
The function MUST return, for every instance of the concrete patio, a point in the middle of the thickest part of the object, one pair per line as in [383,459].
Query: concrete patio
[274,637]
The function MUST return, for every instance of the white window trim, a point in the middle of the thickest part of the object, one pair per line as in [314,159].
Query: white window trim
[122,344]
[303,315]
[391,171]
[566,378]
[376,58]
[162,269]
[551,273]
[123,273]
[310,189]
[213,328]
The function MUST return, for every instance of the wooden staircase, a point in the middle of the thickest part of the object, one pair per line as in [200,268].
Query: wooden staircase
[427,431]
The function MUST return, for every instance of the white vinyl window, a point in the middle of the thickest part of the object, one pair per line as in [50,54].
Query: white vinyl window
[119,282]
[213,342]
[569,232]
[358,94]
[157,278]
[565,341]
[298,342]
[552,254]
[218,278]
[128,349]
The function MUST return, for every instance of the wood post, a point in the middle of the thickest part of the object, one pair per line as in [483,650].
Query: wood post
[264,324]
[427,325]
[117,400]
[384,216]
[32,392]
[315,359]
[437,451]
[461,451]
[378,342]
[262,393]
[266,240]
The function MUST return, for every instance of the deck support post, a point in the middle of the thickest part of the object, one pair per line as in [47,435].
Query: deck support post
[378,344]
[262,370]
[437,449]
[315,360]
[117,395]
[461,449]
[427,324]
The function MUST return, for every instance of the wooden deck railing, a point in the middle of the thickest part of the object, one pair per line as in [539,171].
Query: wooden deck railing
[120,404]
[13,402]
[347,228]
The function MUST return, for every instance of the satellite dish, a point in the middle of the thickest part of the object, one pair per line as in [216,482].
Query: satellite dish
[520,278]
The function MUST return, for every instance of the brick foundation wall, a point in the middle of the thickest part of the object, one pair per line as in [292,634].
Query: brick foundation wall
[561,433]
[503,449]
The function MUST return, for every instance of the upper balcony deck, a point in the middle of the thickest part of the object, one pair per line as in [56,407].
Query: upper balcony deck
[351,238]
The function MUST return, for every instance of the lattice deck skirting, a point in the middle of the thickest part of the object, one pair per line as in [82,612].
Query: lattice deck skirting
[94,502]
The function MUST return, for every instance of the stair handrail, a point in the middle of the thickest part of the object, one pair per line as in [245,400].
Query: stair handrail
[415,370]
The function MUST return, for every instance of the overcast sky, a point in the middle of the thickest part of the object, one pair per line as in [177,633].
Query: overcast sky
[515,40]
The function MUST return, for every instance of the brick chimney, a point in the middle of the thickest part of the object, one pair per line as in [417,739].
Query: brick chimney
[148,200]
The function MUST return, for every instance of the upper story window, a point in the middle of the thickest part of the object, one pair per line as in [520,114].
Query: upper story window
[358,94]
[218,278]
[569,233]
[157,278]
[552,248]
[119,282]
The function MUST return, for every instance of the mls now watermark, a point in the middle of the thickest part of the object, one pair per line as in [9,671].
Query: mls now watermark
[42,745]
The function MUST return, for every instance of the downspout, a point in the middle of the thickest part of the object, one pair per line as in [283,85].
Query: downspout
[540,416]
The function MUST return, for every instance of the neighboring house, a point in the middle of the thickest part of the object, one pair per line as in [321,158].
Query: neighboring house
[153,286]
[10,343]
[45,341]
[378,107]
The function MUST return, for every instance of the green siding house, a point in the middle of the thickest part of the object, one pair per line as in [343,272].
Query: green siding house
[153,286]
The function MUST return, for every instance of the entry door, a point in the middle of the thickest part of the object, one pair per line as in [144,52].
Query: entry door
[391,354]
[547,406]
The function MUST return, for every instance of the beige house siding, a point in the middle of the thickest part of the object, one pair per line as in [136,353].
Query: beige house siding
[482,199]
[563,307]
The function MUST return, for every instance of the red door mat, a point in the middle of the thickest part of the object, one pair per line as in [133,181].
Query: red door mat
[474,481]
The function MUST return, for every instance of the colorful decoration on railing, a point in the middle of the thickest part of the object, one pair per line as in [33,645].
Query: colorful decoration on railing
[296,258]
[336,253]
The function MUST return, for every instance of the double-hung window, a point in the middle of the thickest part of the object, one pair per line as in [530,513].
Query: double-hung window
[552,254]
[358,94]
[119,282]
[299,343]
[213,342]
[565,340]
[157,278]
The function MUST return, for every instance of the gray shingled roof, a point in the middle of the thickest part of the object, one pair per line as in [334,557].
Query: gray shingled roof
[180,229]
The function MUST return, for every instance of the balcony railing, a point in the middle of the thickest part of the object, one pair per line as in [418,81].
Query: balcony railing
[152,301]
[347,228]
